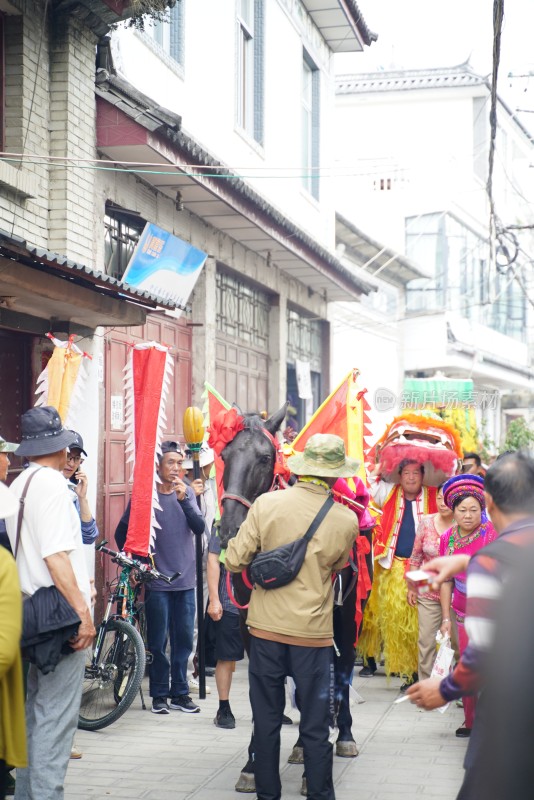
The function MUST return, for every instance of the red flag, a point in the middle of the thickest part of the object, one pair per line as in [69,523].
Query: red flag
[343,413]
[213,406]
[147,378]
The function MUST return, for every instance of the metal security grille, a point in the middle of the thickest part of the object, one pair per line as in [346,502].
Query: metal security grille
[304,339]
[242,311]
[120,239]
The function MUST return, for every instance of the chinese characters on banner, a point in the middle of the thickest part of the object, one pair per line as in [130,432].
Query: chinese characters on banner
[165,266]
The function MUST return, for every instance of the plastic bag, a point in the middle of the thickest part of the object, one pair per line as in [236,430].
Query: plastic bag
[443,663]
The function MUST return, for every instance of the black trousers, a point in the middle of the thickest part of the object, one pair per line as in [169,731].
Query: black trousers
[312,670]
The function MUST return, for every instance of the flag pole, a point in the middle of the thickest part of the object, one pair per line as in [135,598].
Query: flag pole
[194,436]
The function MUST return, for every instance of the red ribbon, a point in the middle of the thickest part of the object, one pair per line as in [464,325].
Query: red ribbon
[363,587]
[224,428]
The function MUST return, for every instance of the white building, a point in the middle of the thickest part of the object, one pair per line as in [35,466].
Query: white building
[416,143]
[217,126]
[367,333]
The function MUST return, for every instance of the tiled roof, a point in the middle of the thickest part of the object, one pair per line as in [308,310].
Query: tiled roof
[408,79]
[33,256]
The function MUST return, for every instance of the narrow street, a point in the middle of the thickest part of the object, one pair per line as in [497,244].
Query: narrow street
[403,752]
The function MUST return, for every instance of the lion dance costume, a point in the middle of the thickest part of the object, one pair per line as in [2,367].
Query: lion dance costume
[390,625]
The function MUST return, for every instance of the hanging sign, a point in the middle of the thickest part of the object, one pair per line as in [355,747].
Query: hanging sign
[164,265]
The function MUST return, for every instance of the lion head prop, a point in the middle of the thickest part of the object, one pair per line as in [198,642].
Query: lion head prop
[421,437]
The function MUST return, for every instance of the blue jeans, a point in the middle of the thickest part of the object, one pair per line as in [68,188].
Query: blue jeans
[170,616]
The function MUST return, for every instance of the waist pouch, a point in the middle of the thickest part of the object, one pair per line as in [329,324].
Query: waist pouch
[274,568]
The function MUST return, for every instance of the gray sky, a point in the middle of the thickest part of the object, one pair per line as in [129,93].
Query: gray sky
[432,33]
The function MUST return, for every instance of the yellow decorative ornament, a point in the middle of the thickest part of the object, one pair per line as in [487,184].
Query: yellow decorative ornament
[193,426]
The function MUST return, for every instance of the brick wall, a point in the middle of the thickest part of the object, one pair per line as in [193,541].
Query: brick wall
[72,135]
[50,111]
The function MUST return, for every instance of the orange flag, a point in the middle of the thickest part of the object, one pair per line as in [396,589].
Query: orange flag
[343,413]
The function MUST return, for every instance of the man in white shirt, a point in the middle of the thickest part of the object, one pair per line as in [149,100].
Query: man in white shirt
[50,551]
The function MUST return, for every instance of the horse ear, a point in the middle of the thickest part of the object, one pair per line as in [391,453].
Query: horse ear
[275,420]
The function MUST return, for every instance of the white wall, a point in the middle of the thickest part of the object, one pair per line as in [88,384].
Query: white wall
[204,93]
[372,344]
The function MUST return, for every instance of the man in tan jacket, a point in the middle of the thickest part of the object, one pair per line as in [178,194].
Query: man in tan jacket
[292,627]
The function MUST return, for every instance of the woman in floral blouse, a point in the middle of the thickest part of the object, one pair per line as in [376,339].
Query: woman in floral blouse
[426,547]
[464,495]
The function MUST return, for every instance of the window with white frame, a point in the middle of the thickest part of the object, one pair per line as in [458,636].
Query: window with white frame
[250,68]
[169,34]
[310,126]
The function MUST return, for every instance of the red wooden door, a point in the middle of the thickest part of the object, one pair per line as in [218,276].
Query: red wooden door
[117,470]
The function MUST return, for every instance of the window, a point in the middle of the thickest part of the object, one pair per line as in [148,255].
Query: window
[310,126]
[122,231]
[242,311]
[170,34]
[457,260]
[2,84]
[250,68]
[304,339]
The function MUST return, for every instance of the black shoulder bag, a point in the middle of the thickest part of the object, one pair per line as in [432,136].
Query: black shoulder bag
[278,567]
[45,614]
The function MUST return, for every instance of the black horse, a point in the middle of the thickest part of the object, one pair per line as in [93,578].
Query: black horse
[249,461]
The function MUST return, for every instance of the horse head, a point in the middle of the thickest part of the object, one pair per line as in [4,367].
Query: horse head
[249,461]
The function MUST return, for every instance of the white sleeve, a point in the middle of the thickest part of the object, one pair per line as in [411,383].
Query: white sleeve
[379,490]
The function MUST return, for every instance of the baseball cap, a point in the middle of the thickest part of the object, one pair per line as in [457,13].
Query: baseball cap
[78,442]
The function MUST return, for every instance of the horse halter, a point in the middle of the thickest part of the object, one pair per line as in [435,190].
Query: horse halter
[238,497]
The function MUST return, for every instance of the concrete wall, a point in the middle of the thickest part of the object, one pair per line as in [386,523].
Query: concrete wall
[132,193]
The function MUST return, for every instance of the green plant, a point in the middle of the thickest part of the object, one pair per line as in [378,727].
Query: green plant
[142,11]
[518,436]
[486,445]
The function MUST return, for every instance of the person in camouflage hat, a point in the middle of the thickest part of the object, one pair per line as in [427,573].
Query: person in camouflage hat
[292,627]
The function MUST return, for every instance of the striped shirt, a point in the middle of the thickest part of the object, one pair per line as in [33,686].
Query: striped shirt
[486,576]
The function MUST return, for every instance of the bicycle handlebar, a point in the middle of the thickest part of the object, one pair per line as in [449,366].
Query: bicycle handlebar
[147,571]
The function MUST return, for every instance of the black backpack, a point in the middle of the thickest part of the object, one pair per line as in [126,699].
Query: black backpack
[278,567]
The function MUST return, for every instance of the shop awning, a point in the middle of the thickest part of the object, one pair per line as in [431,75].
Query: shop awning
[37,283]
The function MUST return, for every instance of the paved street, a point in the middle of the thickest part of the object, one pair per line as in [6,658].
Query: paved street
[403,752]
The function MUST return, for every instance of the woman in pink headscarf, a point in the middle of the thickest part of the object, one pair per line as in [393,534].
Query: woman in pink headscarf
[464,495]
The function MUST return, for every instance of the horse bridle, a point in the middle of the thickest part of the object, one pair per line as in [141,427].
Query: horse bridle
[238,497]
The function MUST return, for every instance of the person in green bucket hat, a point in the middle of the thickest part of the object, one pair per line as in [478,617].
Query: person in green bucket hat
[291,627]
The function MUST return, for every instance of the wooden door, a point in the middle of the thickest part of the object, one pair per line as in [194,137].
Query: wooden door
[116,485]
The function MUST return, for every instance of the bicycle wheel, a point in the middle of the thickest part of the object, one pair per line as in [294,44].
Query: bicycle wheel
[110,686]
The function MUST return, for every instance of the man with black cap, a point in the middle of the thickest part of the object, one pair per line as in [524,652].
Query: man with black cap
[49,551]
[170,609]
[77,483]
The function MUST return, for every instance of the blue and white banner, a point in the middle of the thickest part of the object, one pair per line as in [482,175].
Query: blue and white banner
[164,265]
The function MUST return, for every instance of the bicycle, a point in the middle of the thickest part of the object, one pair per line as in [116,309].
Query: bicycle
[113,676]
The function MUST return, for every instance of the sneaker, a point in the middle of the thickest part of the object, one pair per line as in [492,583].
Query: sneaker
[463,732]
[184,703]
[160,705]
[224,718]
[209,671]
[194,686]
[406,685]
[369,669]
[10,785]
[75,752]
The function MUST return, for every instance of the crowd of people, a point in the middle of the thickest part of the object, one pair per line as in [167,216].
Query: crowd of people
[471,533]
